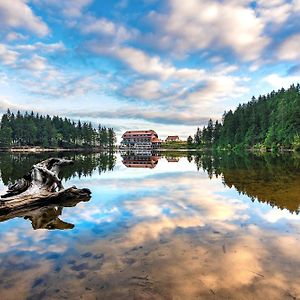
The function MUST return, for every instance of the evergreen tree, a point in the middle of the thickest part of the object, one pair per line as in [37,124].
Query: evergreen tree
[111,136]
[270,121]
[5,137]
[189,141]
[198,137]
[35,130]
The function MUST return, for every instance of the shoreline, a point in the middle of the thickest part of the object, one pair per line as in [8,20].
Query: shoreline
[41,150]
[213,150]
[44,150]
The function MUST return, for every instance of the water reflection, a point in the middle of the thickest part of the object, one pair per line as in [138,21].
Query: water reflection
[274,179]
[172,159]
[145,159]
[267,178]
[170,232]
[14,165]
[44,216]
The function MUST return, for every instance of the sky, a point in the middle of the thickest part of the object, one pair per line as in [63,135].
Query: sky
[166,65]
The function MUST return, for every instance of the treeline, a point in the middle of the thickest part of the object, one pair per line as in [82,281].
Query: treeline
[271,121]
[36,130]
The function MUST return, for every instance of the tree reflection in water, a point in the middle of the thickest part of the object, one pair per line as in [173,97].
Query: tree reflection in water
[13,166]
[269,178]
[273,179]
[163,233]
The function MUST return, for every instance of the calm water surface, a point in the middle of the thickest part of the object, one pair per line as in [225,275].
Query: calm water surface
[175,226]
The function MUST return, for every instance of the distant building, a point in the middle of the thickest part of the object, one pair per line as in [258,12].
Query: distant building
[140,140]
[172,138]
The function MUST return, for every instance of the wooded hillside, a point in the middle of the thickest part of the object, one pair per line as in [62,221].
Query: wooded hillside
[45,131]
[270,121]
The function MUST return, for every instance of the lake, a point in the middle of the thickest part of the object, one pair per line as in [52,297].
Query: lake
[160,226]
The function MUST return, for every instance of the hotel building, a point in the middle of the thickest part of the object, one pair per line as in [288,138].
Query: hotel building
[140,140]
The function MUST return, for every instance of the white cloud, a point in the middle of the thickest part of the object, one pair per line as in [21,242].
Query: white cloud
[144,89]
[144,64]
[216,89]
[274,11]
[70,9]
[7,56]
[136,60]
[74,8]
[154,115]
[17,14]
[48,48]
[198,92]
[14,36]
[296,5]
[277,82]
[289,49]
[36,63]
[185,89]
[198,25]
[104,27]
[59,85]
[5,104]
[15,58]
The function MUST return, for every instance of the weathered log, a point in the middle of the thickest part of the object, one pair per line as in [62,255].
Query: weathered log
[41,185]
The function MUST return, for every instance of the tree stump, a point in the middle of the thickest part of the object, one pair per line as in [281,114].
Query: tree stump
[41,186]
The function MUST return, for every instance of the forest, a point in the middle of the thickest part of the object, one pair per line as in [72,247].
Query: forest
[268,122]
[32,130]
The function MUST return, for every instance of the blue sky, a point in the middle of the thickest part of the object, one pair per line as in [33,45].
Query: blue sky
[139,64]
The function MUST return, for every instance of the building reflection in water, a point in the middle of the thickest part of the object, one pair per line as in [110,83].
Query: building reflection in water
[140,159]
[171,232]
[172,159]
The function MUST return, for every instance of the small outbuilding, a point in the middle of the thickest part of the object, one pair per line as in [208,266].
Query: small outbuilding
[172,138]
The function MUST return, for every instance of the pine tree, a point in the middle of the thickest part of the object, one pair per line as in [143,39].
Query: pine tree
[37,130]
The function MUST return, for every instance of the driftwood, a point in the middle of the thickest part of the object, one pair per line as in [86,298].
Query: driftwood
[41,186]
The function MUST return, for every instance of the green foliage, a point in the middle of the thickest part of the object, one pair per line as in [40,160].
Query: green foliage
[269,122]
[189,141]
[296,143]
[44,131]
[5,136]
[175,145]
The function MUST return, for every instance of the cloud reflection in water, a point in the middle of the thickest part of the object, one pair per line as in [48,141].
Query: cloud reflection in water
[160,233]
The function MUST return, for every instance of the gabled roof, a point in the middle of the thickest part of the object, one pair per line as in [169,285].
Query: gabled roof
[139,132]
[172,137]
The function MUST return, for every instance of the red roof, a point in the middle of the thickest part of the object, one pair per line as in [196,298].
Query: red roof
[139,132]
[172,138]
[156,140]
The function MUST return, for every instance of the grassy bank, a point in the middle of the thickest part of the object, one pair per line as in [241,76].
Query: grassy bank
[183,145]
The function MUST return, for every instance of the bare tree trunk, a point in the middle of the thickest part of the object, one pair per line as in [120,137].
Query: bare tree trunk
[41,184]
